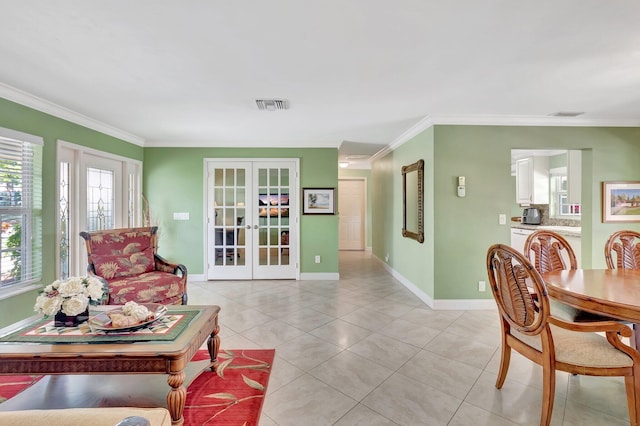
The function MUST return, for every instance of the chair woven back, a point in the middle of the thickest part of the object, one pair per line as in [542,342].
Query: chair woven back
[510,274]
[625,246]
[550,252]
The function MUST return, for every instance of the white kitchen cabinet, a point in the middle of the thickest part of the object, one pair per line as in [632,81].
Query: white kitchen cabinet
[518,238]
[532,180]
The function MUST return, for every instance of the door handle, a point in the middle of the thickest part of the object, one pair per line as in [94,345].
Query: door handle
[255,226]
[248,227]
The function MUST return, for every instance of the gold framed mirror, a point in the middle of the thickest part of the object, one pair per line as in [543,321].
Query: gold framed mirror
[413,201]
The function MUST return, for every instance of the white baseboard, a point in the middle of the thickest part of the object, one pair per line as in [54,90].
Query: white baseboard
[310,276]
[464,304]
[439,304]
[195,277]
[320,276]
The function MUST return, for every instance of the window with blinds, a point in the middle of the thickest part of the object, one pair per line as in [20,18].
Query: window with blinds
[20,208]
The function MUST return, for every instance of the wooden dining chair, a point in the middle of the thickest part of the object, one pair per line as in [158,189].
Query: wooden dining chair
[555,344]
[549,251]
[622,250]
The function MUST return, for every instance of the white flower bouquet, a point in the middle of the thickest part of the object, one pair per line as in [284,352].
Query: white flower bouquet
[71,296]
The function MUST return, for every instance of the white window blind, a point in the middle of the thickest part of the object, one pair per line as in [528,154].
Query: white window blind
[20,208]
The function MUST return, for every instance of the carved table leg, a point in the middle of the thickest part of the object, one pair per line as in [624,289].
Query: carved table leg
[176,397]
[213,344]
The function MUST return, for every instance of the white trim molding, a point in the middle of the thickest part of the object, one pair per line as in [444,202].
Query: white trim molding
[499,120]
[528,120]
[40,104]
[320,276]
[411,132]
[191,278]
[439,304]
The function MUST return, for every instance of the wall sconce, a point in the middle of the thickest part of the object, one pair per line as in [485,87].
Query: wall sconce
[343,164]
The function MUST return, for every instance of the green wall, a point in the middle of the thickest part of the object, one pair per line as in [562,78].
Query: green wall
[463,228]
[412,260]
[173,181]
[24,119]
[362,173]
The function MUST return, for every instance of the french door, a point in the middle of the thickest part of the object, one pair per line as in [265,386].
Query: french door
[252,219]
[95,191]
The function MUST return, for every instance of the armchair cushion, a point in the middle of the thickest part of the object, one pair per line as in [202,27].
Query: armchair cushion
[150,287]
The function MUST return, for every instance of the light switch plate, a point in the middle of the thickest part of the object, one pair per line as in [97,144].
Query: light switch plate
[181,216]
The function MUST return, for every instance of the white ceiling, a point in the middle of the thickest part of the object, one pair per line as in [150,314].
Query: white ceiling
[365,72]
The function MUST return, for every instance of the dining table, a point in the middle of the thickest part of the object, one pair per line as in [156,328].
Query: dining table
[611,292]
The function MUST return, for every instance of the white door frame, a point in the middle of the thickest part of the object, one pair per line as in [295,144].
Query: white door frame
[294,212]
[127,198]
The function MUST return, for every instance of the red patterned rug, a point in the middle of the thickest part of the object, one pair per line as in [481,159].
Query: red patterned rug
[232,397]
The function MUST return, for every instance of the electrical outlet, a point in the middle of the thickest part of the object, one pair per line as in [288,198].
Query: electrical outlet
[318,259]
[502,219]
[386,258]
[181,216]
[482,286]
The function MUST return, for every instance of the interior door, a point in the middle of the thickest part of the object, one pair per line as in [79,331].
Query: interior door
[274,215]
[95,191]
[251,210]
[229,230]
[351,202]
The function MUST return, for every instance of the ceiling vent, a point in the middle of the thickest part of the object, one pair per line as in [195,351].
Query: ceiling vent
[272,104]
[566,114]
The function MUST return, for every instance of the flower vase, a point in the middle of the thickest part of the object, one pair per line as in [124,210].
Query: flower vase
[64,320]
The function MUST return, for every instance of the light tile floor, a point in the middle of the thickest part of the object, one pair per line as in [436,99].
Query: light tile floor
[365,351]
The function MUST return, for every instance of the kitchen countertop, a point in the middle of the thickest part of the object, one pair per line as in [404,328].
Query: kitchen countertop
[565,231]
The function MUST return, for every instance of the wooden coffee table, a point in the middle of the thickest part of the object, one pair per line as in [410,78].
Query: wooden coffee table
[126,358]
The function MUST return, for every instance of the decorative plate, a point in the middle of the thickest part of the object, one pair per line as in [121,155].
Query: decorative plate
[103,322]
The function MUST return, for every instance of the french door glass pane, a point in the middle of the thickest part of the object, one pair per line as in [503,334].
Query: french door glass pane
[99,199]
[63,237]
[229,203]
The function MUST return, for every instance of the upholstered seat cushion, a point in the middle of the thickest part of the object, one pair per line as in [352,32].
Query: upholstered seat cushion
[580,348]
[105,416]
[150,287]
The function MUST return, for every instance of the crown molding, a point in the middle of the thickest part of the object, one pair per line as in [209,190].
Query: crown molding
[23,98]
[500,120]
[529,120]
[411,132]
[246,144]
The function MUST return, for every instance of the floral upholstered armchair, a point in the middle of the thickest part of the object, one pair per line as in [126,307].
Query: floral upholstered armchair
[128,260]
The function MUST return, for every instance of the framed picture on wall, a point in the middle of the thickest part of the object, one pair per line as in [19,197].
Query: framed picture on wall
[318,201]
[621,201]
